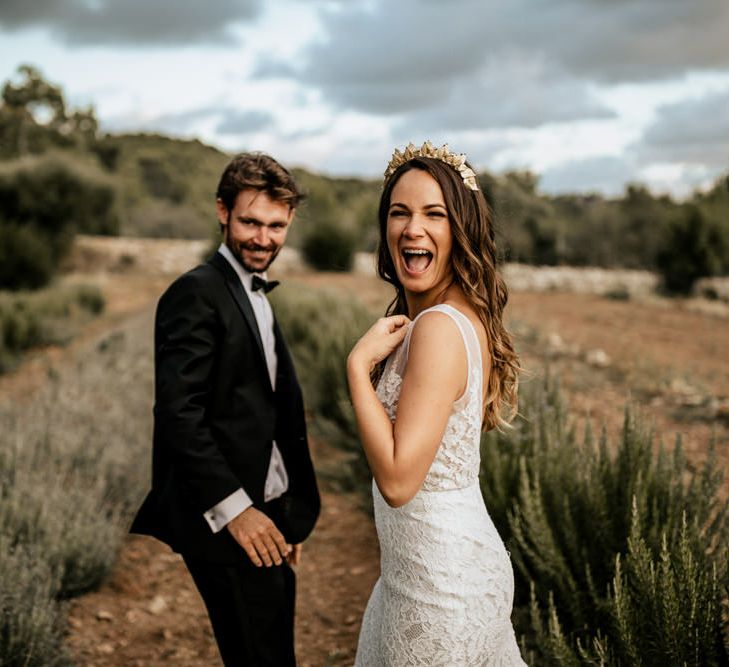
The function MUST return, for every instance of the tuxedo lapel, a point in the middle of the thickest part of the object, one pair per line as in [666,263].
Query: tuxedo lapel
[285,364]
[240,297]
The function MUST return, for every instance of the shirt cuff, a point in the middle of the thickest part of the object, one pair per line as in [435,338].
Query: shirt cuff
[220,515]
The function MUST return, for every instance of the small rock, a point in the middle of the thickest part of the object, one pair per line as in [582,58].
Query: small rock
[106,648]
[158,605]
[680,386]
[132,616]
[357,570]
[350,620]
[692,400]
[170,558]
[103,615]
[75,623]
[555,344]
[597,358]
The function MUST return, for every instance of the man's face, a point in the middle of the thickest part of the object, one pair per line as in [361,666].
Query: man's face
[255,229]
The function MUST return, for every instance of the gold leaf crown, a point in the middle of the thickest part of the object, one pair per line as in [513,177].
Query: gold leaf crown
[444,154]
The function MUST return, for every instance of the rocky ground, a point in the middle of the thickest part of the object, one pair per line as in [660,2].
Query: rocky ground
[669,358]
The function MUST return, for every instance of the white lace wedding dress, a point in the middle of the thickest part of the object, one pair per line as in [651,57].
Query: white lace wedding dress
[446,586]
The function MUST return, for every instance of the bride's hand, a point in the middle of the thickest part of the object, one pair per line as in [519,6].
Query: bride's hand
[378,342]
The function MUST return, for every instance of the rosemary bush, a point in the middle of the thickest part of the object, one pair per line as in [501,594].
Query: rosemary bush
[620,554]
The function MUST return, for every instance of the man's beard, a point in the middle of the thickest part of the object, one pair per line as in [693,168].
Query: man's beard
[236,249]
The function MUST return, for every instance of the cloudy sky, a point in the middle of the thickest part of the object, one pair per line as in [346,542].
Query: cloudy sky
[590,94]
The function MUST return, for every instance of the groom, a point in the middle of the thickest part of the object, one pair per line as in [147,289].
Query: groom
[233,487]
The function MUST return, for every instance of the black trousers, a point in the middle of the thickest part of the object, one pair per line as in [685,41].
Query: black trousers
[251,610]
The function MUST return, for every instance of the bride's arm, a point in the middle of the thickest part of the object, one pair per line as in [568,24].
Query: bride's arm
[401,454]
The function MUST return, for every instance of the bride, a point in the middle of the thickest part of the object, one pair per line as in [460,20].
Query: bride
[445,592]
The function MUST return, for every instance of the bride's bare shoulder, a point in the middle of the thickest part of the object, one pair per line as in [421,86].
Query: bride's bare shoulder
[435,332]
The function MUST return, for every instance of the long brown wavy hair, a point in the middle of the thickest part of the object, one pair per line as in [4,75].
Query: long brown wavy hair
[473,259]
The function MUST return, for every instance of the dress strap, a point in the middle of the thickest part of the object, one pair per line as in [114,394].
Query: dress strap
[470,340]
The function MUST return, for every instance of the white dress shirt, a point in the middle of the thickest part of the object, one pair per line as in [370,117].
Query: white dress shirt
[277,480]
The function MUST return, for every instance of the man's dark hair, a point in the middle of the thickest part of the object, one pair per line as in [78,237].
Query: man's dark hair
[258,171]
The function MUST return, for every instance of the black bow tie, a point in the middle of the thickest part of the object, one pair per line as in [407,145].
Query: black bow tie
[260,283]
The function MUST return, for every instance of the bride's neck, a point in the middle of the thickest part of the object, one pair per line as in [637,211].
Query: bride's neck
[419,301]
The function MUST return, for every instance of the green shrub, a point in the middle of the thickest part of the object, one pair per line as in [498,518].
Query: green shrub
[47,202]
[694,248]
[90,297]
[58,200]
[25,257]
[30,623]
[107,150]
[52,315]
[327,246]
[158,181]
[606,542]
[21,328]
[618,293]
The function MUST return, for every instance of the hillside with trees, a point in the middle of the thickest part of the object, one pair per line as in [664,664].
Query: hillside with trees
[55,157]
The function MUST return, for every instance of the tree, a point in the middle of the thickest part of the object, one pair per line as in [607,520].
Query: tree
[43,203]
[694,248]
[33,117]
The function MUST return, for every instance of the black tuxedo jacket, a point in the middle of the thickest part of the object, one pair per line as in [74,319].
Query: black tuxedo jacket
[216,416]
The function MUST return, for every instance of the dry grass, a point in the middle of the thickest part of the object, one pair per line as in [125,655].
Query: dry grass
[73,465]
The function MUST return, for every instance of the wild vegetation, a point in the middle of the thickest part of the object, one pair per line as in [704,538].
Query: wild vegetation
[43,204]
[73,466]
[620,554]
[49,316]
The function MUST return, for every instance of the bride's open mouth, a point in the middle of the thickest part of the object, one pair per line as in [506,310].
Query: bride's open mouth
[416,260]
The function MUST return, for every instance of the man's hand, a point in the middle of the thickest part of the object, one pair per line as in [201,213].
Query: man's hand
[295,556]
[259,537]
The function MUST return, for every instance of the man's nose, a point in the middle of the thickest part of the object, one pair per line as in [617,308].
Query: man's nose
[261,237]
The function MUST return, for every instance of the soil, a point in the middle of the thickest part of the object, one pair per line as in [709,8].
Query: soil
[671,360]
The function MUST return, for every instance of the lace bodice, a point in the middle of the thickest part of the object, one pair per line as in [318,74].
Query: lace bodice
[457,460]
